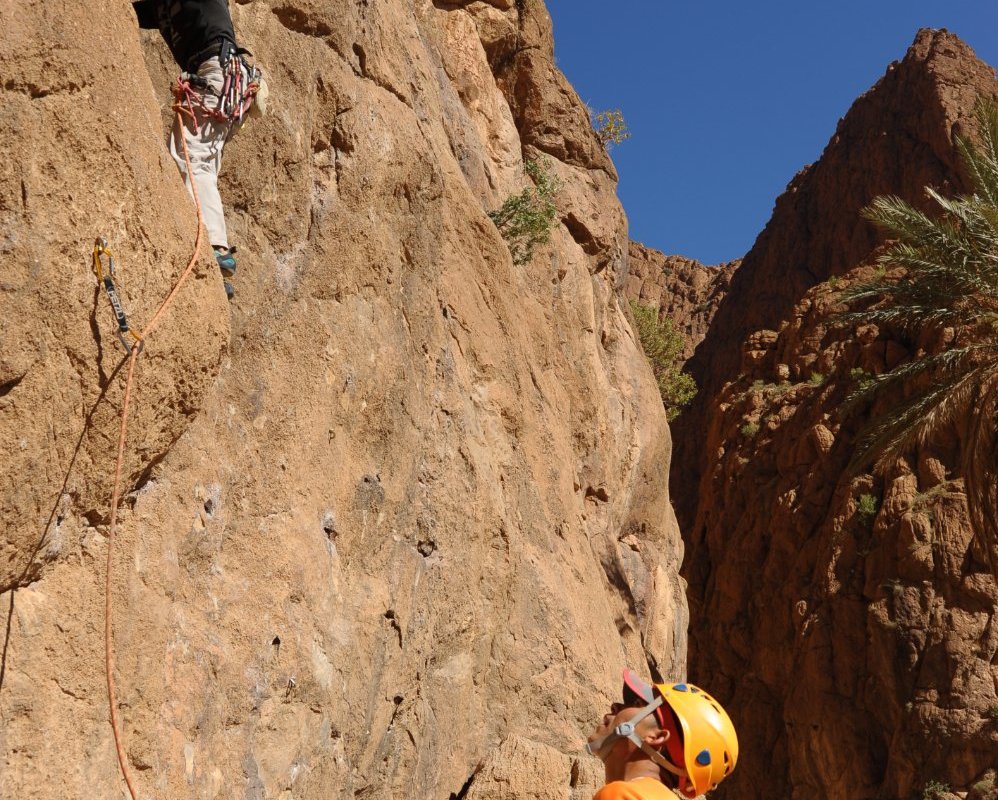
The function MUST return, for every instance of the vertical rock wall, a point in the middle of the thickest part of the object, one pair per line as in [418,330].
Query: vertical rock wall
[405,527]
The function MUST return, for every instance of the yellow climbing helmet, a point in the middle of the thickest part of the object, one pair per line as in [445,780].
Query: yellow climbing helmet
[701,746]
[709,742]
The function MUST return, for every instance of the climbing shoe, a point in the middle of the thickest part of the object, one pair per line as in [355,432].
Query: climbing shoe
[226,261]
[229,291]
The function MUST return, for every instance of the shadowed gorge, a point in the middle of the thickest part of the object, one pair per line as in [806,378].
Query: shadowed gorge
[847,622]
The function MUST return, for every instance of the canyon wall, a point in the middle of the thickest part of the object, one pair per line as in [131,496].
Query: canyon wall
[848,623]
[396,517]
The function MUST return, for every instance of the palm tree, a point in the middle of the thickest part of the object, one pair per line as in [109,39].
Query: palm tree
[949,281]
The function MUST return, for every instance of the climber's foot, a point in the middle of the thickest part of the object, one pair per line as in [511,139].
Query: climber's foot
[226,258]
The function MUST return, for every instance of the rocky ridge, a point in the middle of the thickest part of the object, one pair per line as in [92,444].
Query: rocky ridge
[684,290]
[394,519]
[849,624]
[896,139]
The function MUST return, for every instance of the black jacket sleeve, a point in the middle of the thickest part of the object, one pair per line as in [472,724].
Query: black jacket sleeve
[147,12]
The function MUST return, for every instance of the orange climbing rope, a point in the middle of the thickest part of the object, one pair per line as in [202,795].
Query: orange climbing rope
[134,352]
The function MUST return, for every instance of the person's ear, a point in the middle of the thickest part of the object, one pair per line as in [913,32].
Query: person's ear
[657,739]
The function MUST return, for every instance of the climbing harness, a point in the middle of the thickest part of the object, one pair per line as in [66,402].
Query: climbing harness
[240,84]
[101,249]
[106,278]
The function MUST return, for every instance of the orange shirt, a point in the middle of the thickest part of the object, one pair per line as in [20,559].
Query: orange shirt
[639,789]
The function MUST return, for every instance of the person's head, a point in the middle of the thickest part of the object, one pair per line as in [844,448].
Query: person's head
[617,751]
[678,727]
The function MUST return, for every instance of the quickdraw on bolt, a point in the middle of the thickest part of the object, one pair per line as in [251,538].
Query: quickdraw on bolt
[107,279]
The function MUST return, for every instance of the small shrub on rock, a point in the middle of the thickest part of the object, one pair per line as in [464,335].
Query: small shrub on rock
[749,429]
[861,378]
[935,790]
[610,127]
[985,788]
[527,218]
[662,344]
[867,507]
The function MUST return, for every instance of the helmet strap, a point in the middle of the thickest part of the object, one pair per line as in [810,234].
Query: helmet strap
[626,730]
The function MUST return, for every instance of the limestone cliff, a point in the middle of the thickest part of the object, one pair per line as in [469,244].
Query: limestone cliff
[849,624]
[396,517]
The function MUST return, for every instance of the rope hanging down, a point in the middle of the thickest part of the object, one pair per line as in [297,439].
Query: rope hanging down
[101,248]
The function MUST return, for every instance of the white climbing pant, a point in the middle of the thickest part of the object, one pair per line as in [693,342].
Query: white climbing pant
[205,150]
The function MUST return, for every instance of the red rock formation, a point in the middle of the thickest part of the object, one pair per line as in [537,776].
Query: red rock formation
[684,290]
[896,139]
[849,624]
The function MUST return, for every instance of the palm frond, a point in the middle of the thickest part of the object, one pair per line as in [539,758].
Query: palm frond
[989,216]
[916,419]
[982,162]
[947,369]
[916,227]
[911,309]
[905,317]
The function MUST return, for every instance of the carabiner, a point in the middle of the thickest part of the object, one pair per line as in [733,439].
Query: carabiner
[107,279]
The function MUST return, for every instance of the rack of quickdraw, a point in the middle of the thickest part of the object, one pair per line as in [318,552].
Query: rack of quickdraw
[106,278]
[240,85]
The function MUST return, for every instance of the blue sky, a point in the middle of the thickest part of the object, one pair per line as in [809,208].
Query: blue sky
[727,100]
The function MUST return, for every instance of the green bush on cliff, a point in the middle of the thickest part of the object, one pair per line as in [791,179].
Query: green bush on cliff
[610,127]
[937,283]
[663,345]
[527,218]
[861,377]
[867,508]
[934,790]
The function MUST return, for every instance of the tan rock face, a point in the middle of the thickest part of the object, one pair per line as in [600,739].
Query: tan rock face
[686,291]
[381,532]
[80,159]
[847,623]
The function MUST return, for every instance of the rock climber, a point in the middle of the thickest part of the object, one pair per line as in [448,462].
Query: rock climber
[663,740]
[217,88]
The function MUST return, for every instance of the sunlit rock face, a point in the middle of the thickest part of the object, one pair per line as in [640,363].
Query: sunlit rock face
[684,290]
[396,516]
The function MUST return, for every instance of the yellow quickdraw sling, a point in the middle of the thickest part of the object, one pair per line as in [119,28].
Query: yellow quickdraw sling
[107,279]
